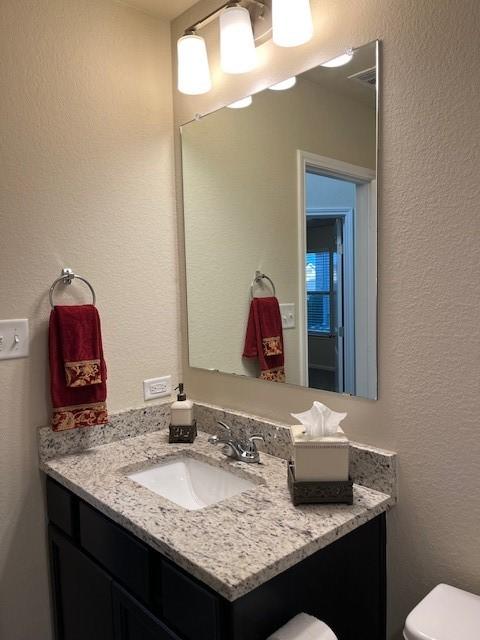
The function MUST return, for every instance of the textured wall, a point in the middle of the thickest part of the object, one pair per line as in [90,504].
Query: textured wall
[429,270]
[86,181]
[256,146]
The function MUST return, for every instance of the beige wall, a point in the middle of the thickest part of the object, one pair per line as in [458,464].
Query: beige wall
[86,181]
[231,232]
[429,269]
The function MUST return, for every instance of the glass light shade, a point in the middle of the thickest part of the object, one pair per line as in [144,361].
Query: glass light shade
[292,23]
[339,61]
[237,45]
[285,84]
[241,104]
[193,70]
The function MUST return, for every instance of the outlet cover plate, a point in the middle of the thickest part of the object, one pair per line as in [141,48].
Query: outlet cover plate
[157,387]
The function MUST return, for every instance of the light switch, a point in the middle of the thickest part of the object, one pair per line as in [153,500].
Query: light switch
[287,311]
[14,340]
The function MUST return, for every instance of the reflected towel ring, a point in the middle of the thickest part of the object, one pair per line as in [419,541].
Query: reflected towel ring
[259,276]
[67,277]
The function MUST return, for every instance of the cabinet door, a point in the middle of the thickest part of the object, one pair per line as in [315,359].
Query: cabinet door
[188,606]
[82,593]
[133,622]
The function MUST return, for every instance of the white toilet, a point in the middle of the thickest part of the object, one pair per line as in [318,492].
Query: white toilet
[446,613]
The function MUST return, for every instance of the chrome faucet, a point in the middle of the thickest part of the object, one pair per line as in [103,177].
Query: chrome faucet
[234,448]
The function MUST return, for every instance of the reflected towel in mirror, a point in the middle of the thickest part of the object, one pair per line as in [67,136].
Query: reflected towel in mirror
[264,338]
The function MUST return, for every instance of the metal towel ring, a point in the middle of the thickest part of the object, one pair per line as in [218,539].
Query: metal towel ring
[67,277]
[258,277]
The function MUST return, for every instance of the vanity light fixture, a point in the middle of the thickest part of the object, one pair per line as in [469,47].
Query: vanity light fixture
[242,22]
[193,70]
[292,23]
[339,61]
[241,104]
[285,84]
[237,44]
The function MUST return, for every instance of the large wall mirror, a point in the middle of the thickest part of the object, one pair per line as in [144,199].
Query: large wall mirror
[280,204]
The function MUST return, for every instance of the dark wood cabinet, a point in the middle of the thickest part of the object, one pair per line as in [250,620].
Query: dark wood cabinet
[188,606]
[134,622]
[82,593]
[121,554]
[107,584]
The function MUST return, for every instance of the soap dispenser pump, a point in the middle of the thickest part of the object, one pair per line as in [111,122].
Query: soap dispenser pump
[183,426]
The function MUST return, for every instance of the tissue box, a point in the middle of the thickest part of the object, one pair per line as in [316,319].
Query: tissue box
[320,459]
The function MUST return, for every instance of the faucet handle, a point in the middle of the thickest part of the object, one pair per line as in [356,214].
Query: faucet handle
[224,425]
[253,440]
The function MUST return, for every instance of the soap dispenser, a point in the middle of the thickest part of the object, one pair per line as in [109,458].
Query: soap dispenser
[182,409]
[183,426]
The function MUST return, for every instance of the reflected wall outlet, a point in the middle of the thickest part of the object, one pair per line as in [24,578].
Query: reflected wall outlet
[14,341]
[157,387]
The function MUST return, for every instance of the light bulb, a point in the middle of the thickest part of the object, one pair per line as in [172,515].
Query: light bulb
[339,61]
[237,45]
[193,70]
[292,23]
[285,84]
[241,104]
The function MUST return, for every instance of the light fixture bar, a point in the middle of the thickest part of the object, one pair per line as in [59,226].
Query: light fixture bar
[203,22]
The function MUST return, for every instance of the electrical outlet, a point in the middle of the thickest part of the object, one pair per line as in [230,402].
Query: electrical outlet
[157,387]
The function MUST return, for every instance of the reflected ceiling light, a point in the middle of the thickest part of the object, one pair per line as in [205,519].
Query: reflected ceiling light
[339,61]
[292,23]
[193,70]
[237,45]
[241,104]
[285,84]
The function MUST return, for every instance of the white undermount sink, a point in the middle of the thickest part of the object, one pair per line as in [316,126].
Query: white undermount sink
[190,483]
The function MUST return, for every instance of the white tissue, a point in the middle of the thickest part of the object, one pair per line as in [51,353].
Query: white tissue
[320,421]
[304,627]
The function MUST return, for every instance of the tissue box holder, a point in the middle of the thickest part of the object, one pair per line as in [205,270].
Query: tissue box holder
[319,492]
[184,433]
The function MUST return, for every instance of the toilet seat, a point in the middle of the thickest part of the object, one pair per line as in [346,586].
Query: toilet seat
[446,613]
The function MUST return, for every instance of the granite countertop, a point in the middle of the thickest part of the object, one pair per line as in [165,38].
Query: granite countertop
[233,546]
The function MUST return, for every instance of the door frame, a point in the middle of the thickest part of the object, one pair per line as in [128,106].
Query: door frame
[365,179]
[346,342]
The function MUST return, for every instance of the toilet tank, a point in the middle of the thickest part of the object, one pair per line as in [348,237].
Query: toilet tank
[446,613]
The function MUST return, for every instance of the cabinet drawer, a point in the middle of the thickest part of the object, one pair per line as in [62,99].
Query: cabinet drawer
[121,554]
[134,622]
[62,507]
[188,607]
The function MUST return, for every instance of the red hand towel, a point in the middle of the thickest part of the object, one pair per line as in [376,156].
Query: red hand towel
[264,339]
[77,367]
[81,344]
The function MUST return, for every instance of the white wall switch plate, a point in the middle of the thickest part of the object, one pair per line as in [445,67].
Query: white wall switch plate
[287,311]
[14,339]
[157,387]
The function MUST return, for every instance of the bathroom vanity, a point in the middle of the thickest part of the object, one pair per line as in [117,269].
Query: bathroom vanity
[128,564]
[108,584]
